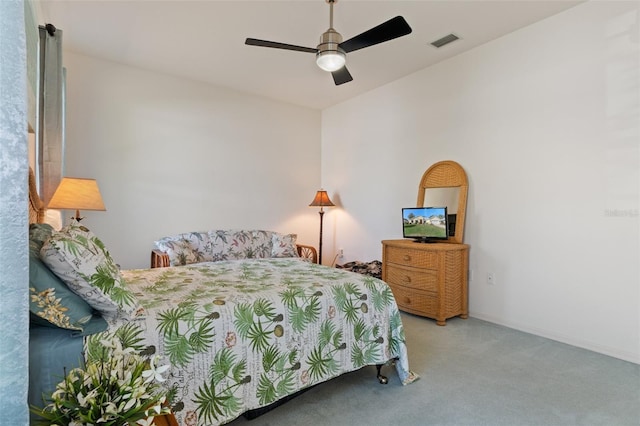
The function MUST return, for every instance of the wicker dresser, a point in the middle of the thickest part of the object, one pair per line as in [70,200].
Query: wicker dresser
[427,279]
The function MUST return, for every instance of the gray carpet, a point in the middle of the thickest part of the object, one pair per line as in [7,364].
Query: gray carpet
[475,373]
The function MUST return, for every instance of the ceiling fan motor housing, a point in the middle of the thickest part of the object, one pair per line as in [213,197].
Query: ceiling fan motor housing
[330,56]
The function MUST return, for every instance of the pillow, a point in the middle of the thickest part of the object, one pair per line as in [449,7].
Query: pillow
[284,245]
[81,260]
[39,233]
[187,248]
[51,302]
[95,325]
[249,244]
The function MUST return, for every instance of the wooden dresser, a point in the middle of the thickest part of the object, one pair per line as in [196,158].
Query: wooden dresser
[427,279]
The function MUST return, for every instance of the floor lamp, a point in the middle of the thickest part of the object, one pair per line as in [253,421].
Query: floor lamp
[321,200]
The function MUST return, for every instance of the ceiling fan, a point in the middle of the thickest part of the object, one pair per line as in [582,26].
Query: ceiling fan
[331,51]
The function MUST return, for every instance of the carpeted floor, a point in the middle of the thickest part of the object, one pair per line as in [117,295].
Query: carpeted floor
[475,373]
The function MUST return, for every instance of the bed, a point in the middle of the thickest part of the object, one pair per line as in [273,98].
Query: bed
[238,335]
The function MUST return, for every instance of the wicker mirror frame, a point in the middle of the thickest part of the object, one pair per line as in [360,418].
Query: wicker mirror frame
[447,174]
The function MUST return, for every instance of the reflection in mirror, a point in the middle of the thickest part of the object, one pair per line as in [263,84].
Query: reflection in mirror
[442,197]
[437,197]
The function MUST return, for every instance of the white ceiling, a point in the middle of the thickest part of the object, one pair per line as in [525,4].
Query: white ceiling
[204,40]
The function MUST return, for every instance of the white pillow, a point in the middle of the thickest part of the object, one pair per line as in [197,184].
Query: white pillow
[82,261]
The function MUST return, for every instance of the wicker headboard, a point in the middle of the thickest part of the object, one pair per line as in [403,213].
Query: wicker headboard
[36,206]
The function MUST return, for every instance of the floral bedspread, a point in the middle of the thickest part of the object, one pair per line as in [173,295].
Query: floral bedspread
[242,334]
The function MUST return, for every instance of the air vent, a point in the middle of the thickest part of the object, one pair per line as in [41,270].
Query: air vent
[445,40]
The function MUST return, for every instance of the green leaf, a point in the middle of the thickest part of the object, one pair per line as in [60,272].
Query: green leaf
[209,405]
[293,356]
[382,298]
[353,289]
[337,338]
[179,350]
[202,339]
[321,365]
[103,279]
[72,247]
[265,392]
[371,353]
[264,308]
[169,321]
[239,370]
[130,336]
[122,296]
[298,318]
[359,330]
[259,338]
[269,357]
[222,364]
[317,364]
[340,297]
[327,330]
[286,385]
[357,356]
[243,314]
[351,311]
[395,338]
[289,297]
[96,352]
[313,310]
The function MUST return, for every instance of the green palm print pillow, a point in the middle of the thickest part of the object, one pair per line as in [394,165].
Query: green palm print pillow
[82,261]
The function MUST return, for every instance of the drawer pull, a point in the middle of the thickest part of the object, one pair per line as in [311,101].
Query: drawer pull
[407,301]
[406,258]
[406,279]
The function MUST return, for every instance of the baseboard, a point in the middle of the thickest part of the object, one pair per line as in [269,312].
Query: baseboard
[569,340]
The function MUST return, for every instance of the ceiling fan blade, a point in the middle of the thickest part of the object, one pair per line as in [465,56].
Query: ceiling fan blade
[393,28]
[276,45]
[341,76]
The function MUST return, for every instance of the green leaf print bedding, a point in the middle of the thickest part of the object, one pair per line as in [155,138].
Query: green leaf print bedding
[242,334]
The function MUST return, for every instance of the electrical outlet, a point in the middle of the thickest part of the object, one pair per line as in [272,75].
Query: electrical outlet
[341,253]
[470,275]
[491,278]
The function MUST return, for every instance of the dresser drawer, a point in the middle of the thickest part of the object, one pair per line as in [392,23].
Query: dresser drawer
[413,301]
[412,257]
[418,279]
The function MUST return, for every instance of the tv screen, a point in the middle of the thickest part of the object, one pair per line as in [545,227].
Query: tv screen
[425,224]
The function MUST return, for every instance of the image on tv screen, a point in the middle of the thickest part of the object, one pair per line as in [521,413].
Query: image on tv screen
[424,222]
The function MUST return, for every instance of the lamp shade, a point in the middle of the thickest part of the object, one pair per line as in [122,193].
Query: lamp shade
[77,194]
[321,200]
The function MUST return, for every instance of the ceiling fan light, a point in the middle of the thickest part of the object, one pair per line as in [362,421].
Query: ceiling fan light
[331,60]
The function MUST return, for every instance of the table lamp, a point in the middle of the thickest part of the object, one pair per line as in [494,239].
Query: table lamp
[77,194]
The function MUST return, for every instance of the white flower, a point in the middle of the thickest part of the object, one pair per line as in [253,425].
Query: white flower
[153,373]
[145,422]
[129,404]
[119,381]
[110,408]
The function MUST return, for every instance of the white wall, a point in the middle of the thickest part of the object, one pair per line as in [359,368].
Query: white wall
[172,155]
[545,122]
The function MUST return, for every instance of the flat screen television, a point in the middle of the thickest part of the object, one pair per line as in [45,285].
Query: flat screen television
[425,224]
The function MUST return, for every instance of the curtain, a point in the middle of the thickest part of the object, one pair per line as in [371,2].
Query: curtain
[50,119]
[14,266]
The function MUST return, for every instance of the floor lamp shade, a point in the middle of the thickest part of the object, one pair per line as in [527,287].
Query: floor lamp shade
[77,194]
[321,200]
